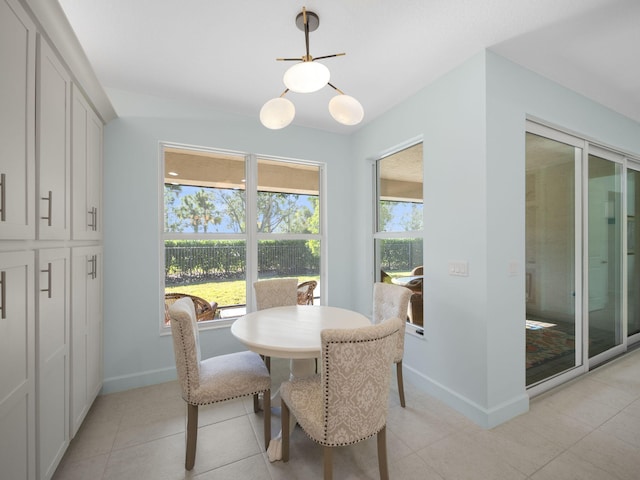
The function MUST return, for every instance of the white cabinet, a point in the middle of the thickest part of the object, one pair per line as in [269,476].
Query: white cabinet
[53,138]
[17,122]
[86,170]
[86,331]
[17,366]
[52,347]
[50,334]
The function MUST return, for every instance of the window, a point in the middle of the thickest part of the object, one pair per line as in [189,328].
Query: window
[399,222]
[230,219]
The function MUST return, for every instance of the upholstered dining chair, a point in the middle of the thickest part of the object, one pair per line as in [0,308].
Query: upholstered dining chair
[391,301]
[275,292]
[214,379]
[348,401]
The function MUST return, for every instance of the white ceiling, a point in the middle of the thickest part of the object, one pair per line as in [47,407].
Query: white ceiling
[222,53]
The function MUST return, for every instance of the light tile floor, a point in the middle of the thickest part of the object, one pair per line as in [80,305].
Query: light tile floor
[587,429]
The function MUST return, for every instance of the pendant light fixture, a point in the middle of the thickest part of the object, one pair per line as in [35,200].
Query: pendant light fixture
[308,76]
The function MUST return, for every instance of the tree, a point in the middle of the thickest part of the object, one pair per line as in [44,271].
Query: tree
[171,194]
[277,212]
[199,210]
[412,220]
[385,214]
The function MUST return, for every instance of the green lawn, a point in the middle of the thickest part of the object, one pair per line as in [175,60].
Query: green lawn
[224,292]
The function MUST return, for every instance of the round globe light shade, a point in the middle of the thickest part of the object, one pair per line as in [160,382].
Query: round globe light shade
[306,77]
[277,113]
[346,110]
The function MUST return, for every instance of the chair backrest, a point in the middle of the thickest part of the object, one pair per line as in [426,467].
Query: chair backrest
[305,292]
[390,301]
[418,270]
[276,292]
[204,310]
[186,345]
[355,381]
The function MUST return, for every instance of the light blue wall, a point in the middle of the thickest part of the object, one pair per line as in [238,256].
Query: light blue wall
[472,123]
[135,353]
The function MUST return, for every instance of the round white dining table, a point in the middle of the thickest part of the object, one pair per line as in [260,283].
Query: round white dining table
[292,332]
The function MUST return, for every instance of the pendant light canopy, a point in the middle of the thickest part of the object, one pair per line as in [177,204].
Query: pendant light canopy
[308,76]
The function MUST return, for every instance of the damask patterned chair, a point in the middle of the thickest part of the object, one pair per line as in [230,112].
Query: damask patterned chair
[348,401]
[390,301]
[275,292]
[214,379]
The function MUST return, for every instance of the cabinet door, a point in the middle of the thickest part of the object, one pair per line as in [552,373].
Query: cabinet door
[86,170]
[53,155]
[17,122]
[86,331]
[52,345]
[17,366]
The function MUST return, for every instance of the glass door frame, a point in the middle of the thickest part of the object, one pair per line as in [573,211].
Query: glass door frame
[616,350]
[629,164]
[583,362]
[580,366]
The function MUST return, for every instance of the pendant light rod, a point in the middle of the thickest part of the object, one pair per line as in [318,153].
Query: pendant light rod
[306,34]
[334,87]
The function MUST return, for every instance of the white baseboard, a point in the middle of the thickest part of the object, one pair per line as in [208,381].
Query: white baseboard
[486,418]
[135,380]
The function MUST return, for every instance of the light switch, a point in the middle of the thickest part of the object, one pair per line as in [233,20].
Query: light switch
[460,269]
[513,268]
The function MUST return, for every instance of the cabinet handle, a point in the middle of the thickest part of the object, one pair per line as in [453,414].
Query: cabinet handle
[50,200]
[48,272]
[93,269]
[2,197]
[3,295]
[93,224]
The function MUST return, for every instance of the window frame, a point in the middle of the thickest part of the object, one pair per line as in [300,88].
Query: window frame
[250,236]
[378,235]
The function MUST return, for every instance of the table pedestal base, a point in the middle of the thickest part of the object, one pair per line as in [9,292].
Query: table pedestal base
[299,368]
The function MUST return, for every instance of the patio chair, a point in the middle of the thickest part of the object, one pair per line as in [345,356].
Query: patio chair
[305,292]
[390,301]
[348,401]
[204,310]
[215,379]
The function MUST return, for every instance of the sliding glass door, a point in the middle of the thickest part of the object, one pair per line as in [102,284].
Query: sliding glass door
[633,266]
[604,240]
[582,278]
[553,266]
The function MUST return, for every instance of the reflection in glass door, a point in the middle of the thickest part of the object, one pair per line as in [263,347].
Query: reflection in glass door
[605,254]
[553,333]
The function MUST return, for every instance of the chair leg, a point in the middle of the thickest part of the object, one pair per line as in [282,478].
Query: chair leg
[266,405]
[256,403]
[284,417]
[267,362]
[328,463]
[400,383]
[382,454]
[192,436]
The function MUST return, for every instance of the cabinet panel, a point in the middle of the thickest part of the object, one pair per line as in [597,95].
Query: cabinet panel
[17,122]
[86,170]
[17,366]
[52,344]
[86,331]
[53,155]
